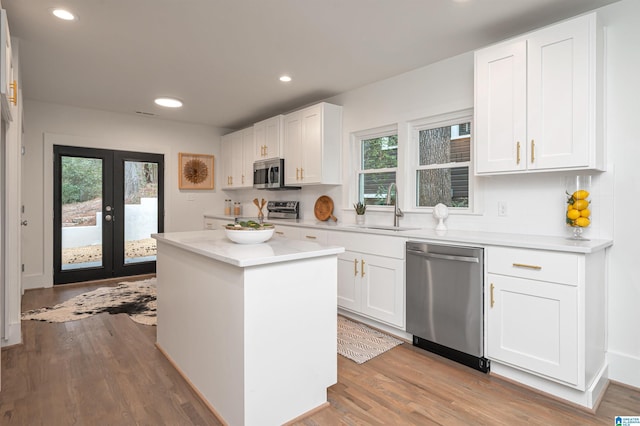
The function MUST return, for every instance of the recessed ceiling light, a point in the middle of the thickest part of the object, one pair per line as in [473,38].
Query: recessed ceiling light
[285,78]
[169,102]
[63,14]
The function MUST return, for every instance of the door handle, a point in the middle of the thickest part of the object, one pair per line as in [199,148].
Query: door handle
[355,267]
[24,222]
[361,267]
[108,218]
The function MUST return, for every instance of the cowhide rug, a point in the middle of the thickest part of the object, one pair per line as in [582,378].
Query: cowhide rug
[136,299]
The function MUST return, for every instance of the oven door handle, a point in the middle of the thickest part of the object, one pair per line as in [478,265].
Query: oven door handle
[444,256]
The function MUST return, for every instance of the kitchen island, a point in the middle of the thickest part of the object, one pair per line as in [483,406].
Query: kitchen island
[251,327]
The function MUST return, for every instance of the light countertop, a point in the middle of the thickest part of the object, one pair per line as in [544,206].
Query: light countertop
[215,245]
[478,238]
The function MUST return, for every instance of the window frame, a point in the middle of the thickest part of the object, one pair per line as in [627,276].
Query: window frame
[357,138]
[432,122]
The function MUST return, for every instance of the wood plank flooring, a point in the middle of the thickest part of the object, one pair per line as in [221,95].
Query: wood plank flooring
[105,370]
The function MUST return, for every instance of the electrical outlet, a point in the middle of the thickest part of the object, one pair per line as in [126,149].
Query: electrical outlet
[502,208]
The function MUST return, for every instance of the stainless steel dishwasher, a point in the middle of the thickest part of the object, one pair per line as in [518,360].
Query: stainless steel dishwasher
[444,301]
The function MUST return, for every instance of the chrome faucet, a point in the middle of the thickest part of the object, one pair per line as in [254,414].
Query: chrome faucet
[397,213]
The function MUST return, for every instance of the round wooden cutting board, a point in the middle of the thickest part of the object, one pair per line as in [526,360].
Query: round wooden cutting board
[324,209]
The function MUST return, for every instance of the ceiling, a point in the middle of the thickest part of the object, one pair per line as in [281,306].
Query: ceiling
[222,58]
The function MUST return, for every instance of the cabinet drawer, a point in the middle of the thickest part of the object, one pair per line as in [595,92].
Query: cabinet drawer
[317,235]
[539,265]
[291,232]
[382,245]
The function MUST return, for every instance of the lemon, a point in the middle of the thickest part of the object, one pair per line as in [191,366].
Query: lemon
[580,204]
[581,194]
[582,222]
[573,214]
[585,213]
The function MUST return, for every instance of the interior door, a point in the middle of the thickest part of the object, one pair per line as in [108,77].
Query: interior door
[106,206]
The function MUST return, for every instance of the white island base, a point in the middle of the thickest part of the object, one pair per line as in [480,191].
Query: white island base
[257,342]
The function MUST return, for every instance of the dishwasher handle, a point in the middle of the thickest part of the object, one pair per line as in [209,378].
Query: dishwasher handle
[444,256]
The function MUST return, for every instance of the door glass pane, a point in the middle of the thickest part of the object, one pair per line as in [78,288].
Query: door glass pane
[140,211]
[81,212]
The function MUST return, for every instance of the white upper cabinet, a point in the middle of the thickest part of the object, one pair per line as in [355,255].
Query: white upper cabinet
[312,145]
[237,159]
[537,101]
[269,137]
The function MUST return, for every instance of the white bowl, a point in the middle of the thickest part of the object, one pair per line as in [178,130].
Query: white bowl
[249,236]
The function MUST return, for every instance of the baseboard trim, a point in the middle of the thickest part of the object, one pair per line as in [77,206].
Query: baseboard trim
[587,400]
[624,368]
[191,385]
[14,336]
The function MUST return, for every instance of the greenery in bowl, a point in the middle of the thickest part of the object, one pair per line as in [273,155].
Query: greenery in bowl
[360,207]
[248,225]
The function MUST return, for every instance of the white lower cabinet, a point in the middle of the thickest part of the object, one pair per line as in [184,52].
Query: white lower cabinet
[533,324]
[372,285]
[214,224]
[546,318]
[290,232]
[371,276]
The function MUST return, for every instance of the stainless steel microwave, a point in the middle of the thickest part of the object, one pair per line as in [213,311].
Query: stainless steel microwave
[269,174]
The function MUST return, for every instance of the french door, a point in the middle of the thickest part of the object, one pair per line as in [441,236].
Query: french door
[106,206]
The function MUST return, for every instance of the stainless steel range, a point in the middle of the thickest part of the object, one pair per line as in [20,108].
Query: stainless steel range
[283,209]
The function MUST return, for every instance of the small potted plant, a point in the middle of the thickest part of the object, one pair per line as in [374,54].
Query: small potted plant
[360,210]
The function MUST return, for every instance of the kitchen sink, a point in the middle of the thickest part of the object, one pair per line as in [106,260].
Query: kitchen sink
[385,228]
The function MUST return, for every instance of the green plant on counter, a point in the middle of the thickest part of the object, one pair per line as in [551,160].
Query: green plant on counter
[360,207]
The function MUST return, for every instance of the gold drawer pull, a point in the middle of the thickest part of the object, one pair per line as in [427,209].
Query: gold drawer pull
[311,237]
[355,267]
[518,153]
[279,232]
[362,267]
[524,265]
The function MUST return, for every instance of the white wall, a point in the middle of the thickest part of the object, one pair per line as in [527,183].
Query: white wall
[99,129]
[622,110]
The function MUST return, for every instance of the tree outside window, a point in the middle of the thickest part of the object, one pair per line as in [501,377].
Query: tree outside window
[377,167]
[444,157]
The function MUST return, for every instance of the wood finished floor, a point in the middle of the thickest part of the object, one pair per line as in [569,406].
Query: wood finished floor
[105,370]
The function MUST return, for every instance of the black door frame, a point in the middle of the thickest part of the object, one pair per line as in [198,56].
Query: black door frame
[113,248]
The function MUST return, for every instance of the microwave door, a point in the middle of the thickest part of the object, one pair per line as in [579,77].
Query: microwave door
[274,176]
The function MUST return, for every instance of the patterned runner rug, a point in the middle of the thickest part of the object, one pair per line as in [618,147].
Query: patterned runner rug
[136,299]
[360,343]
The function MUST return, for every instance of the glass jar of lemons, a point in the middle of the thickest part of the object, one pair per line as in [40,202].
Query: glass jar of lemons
[578,212]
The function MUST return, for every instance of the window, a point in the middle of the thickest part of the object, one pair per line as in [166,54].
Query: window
[377,165]
[443,163]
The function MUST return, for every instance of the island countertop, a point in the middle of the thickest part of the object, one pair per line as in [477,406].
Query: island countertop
[215,245]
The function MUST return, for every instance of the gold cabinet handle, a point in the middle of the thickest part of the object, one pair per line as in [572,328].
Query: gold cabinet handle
[297,171]
[524,265]
[311,237]
[492,300]
[242,179]
[301,173]
[279,232]
[362,267]
[518,153]
[533,151]
[14,87]
[355,267]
